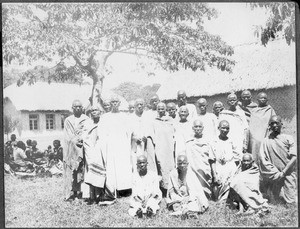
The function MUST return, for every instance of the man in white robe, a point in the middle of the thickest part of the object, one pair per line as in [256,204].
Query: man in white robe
[94,174]
[151,114]
[226,161]
[172,111]
[244,191]
[74,127]
[183,131]
[209,120]
[185,195]
[217,108]
[160,143]
[115,143]
[201,157]
[238,123]
[139,125]
[146,195]
[182,101]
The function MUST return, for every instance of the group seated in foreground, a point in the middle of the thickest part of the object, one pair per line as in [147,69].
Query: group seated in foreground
[23,160]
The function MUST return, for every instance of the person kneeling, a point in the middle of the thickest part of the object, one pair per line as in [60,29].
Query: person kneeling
[146,194]
[244,188]
[185,194]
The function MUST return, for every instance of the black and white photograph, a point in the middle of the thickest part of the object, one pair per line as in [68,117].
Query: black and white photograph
[149,114]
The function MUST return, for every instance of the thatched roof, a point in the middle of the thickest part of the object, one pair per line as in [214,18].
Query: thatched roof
[53,96]
[257,67]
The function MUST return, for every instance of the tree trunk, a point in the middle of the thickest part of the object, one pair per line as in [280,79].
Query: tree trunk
[96,93]
[98,74]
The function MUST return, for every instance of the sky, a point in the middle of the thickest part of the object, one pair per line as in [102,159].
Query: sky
[235,24]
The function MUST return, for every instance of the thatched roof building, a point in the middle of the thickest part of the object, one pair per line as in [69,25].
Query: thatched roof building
[257,67]
[43,108]
[53,96]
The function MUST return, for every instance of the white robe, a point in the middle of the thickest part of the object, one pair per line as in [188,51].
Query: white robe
[192,111]
[238,127]
[210,124]
[145,188]
[139,126]
[183,133]
[115,138]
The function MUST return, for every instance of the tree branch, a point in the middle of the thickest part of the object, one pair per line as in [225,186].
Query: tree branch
[78,61]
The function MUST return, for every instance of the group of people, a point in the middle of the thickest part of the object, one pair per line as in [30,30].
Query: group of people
[28,158]
[180,152]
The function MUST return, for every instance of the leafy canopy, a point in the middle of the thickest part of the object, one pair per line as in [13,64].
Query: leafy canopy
[11,117]
[170,32]
[280,22]
[80,37]
[132,91]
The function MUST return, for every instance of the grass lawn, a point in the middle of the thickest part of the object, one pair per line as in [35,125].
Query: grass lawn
[38,202]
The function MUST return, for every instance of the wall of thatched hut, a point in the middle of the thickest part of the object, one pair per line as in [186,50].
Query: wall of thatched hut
[282,99]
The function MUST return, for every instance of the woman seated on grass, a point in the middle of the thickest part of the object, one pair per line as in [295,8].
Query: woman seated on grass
[185,196]
[35,155]
[21,163]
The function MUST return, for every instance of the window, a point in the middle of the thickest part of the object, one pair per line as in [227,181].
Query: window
[49,121]
[63,117]
[33,121]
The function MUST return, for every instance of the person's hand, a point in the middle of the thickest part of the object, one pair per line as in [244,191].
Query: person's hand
[79,142]
[216,181]
[138,141]
[281,175]
[144,139]
[78,132]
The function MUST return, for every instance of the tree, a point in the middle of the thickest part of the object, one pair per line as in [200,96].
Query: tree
[10,77]
[11,118]
[281,20]
[88,34]
[132,91]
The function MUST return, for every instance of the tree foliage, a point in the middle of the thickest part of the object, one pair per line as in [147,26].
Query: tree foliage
[88,34]
[10,77]
[11,118]
[131,91]
[281,20]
